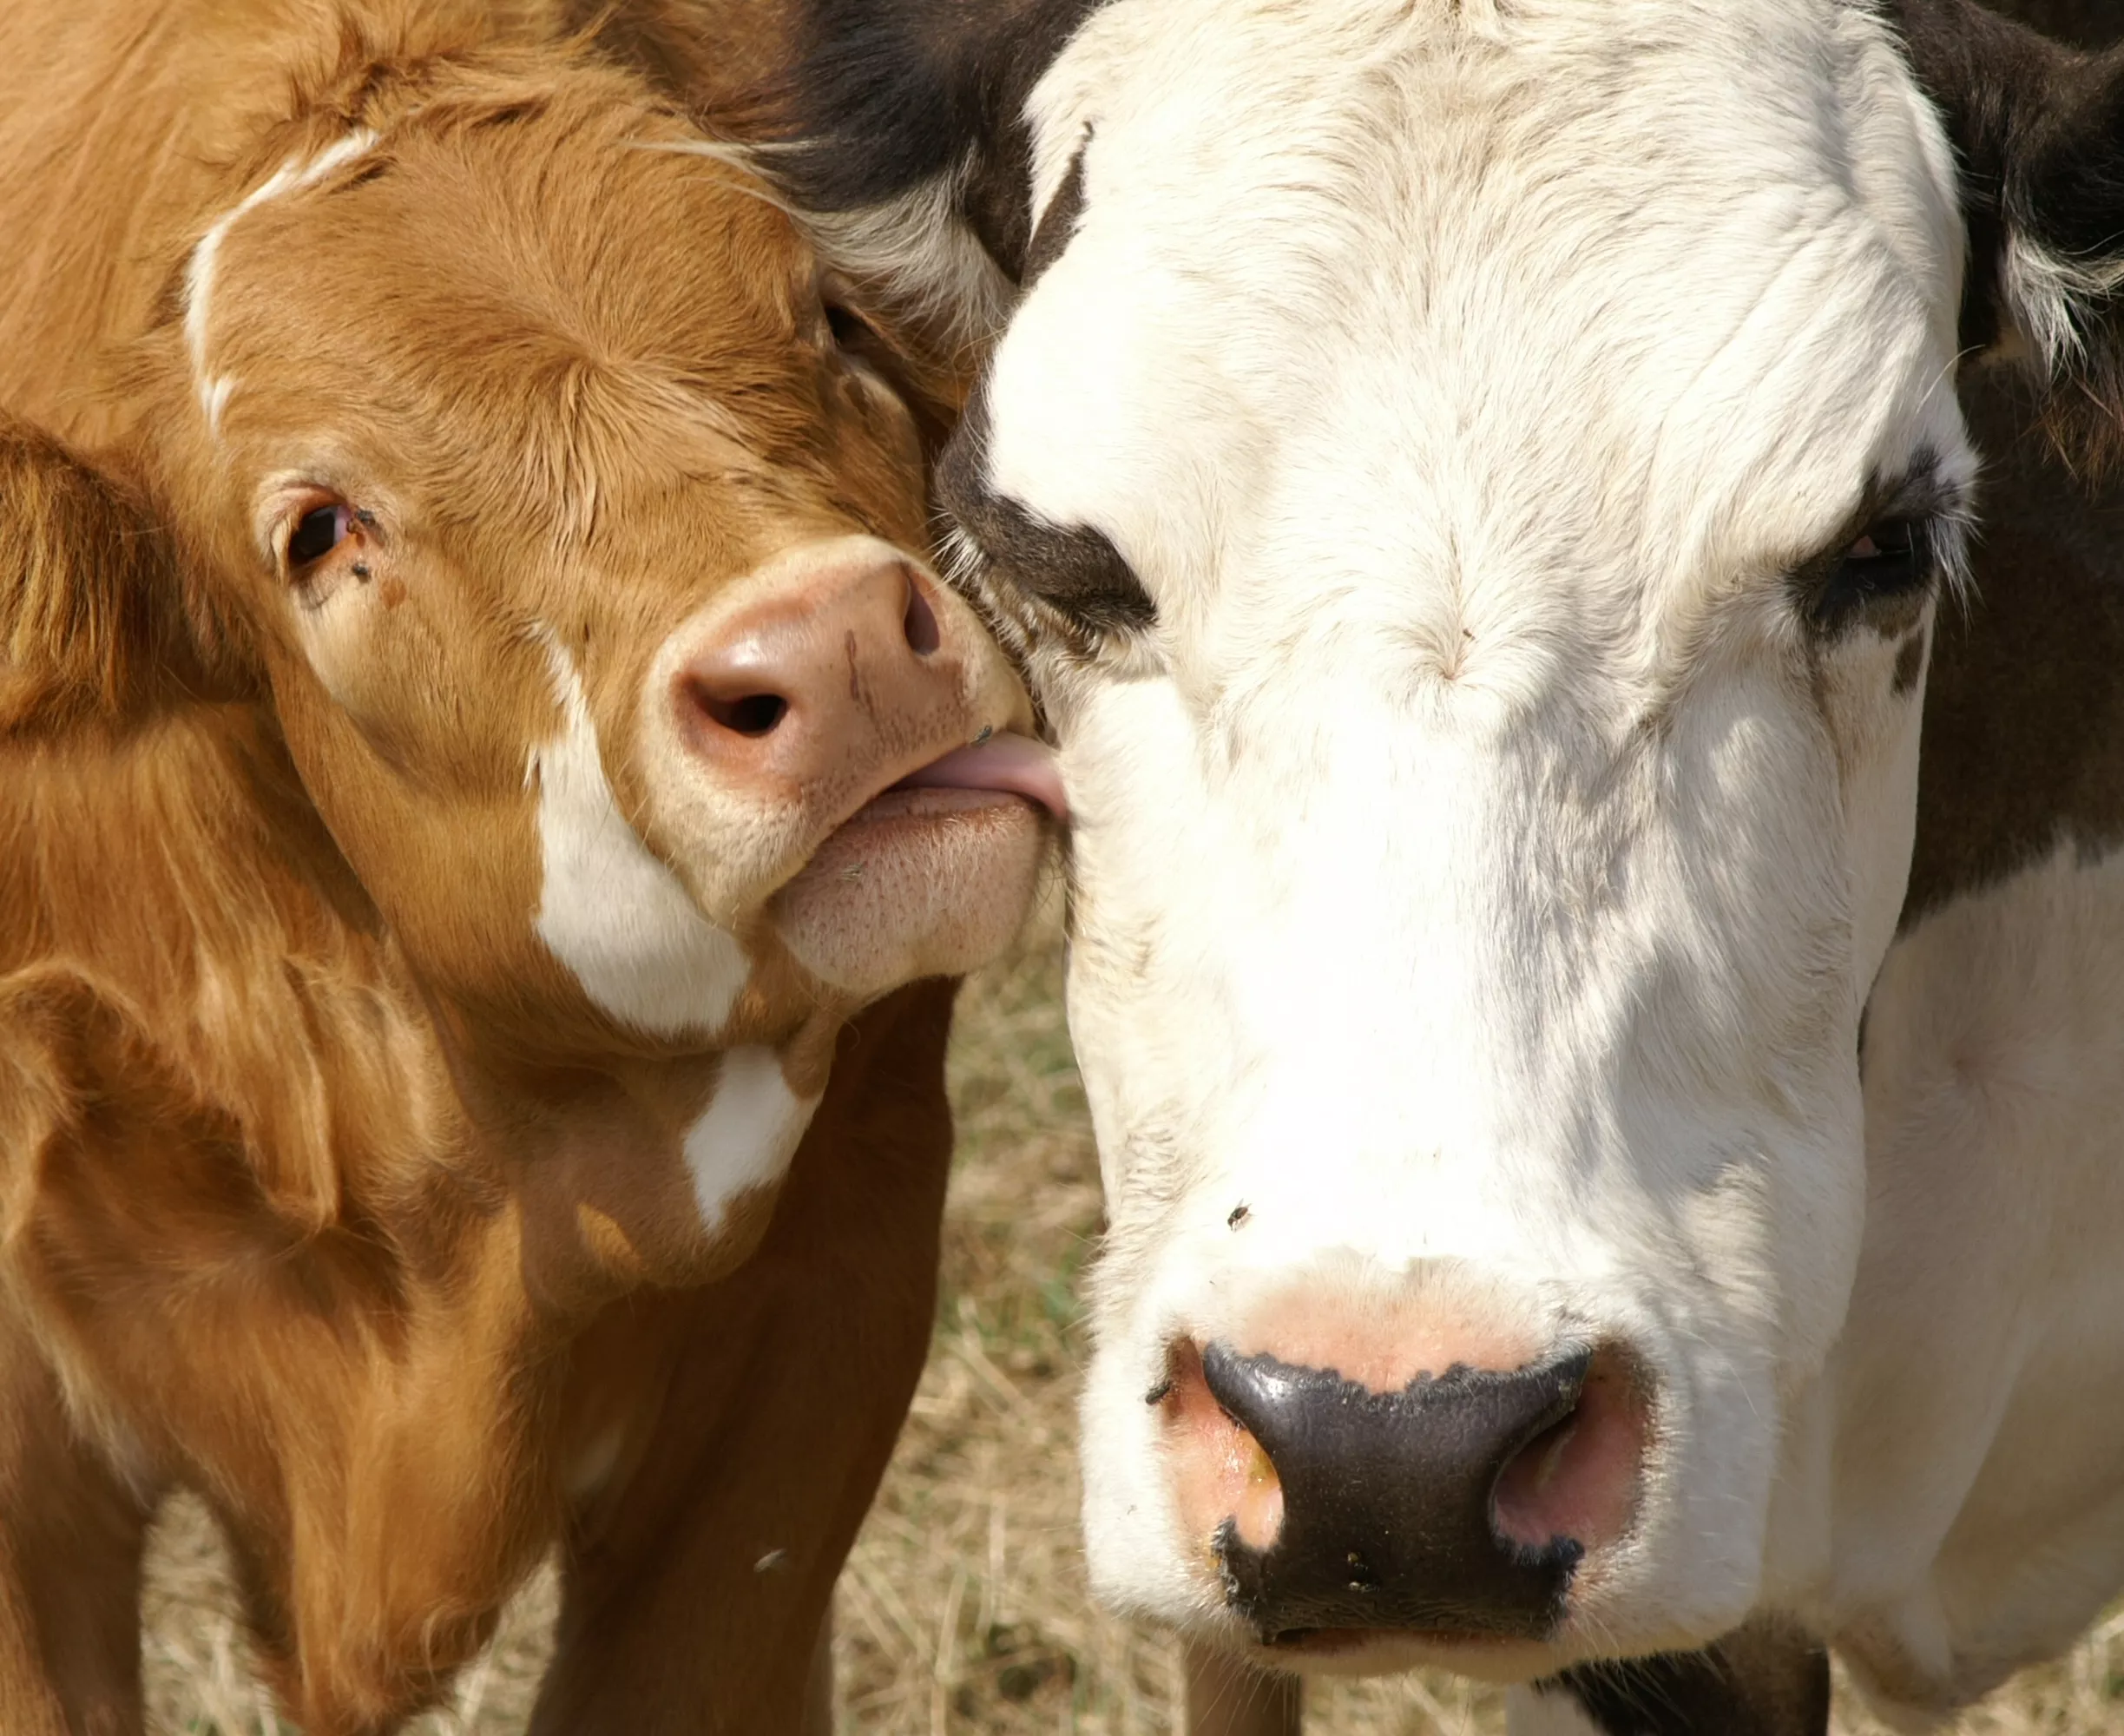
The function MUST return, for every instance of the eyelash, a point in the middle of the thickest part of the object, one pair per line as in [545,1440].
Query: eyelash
[1897,557]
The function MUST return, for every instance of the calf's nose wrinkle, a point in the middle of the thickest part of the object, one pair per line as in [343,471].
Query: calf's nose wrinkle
[1388,1519]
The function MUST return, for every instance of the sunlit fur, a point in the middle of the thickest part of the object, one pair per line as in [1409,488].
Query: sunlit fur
[1480,861]
[397,1067]
[1483,858]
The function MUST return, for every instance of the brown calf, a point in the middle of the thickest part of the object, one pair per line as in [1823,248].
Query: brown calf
[456,738]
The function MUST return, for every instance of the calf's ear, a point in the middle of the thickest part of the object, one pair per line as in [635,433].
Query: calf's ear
[95,618]
[2038,133]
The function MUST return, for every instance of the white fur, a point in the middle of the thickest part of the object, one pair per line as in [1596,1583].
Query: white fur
[609,910]
[2048,295]
[294,174]
[1978,1495]
[917,249]
[1476,870]
[748,1132]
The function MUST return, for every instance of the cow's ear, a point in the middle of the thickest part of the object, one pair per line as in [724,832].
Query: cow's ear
[2038,133]
[901,132]
[95,618]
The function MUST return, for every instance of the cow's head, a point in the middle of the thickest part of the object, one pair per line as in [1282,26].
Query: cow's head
[518,460]
[514,468]
[1473,484]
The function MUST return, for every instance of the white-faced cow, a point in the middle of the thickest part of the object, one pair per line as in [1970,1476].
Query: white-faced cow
[475,731]
[1479,486]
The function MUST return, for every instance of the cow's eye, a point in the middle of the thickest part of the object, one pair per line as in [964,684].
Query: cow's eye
[1892,559]
[318,532]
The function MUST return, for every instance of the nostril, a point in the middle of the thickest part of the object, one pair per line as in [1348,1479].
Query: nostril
[923,636]
[749,714]
[1578,1477]
[1525,1486]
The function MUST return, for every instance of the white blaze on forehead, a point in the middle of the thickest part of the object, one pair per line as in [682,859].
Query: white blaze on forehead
[748,1132]
[1335,275]
[291,176]
[608,909]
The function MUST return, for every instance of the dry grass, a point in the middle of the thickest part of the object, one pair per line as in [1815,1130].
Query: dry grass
[962,1610]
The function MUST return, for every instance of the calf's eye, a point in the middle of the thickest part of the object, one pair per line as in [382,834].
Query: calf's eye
[318,532]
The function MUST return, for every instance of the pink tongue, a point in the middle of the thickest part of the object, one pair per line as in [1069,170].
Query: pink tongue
[1015,763]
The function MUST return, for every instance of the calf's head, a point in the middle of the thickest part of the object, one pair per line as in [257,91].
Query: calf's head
[523,466]
[515,470]
[1473,484]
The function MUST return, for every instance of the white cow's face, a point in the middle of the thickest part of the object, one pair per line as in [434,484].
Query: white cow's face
[1473,484]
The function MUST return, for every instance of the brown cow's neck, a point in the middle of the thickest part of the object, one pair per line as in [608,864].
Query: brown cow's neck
[2024,744]
[280,1119]
[359,1095]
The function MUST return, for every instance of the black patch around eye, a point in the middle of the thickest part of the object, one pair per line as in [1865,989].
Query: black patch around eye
[1058,223]
[1880,576]
[1891,559]
[1073,570]
[1882,568]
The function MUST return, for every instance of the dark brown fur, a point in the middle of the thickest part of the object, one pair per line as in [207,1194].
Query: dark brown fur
[2024,715]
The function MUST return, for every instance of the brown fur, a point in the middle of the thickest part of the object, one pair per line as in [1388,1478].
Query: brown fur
[729,62]
[2085,24]
[324,1189]
[2024,718]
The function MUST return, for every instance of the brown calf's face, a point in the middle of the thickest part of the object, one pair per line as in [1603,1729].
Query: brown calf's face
[578,558]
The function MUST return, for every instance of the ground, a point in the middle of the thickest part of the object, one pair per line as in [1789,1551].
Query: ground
[963,1610]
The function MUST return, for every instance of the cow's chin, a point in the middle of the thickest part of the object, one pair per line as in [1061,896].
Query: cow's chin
[918,882]
[1355,1652]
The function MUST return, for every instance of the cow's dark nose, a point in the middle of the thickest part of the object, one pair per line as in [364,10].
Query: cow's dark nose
[1390,1500]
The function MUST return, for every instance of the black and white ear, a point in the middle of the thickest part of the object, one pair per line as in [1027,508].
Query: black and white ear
[902,138]
[2038,132]
[94,617]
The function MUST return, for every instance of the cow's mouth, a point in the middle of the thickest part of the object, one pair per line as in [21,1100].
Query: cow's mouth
[931,876]
[1341,1642]
[1333,1642]
[1364,1651]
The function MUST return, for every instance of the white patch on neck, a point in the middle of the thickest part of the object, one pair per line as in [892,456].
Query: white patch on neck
[747,1135]
[608,909]
[294,173]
